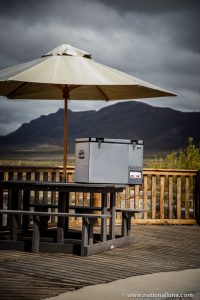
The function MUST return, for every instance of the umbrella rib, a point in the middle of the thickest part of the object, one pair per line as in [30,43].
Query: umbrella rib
[17,89]
[73,87]
[100,89]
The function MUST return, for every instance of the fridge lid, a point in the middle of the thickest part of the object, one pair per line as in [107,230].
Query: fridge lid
[105,140]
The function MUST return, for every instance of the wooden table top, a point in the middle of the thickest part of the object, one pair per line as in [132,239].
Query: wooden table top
[61,186]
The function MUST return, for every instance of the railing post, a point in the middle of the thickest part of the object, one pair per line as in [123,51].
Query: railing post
[153,196]
[197,198]
[10,177]
[136,196]
[187,196]
[119,205]
[45,193]
[1,196]
[145,195]
[162,197]
[170,197]
[127,197]
[37,193]
[20,202]
[178,208]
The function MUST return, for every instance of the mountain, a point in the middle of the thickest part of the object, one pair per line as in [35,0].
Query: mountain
[160,128]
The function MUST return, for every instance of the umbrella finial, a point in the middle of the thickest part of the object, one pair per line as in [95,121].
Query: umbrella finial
[69,50]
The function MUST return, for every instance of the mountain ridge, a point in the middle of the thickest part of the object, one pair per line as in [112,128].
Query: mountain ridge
[160,128]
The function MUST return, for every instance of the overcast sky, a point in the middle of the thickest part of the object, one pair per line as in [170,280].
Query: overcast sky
[155,40]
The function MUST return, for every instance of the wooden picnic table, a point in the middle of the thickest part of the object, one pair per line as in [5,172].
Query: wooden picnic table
[41,215]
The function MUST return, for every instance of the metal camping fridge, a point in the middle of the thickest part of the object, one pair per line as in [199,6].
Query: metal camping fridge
[99,160]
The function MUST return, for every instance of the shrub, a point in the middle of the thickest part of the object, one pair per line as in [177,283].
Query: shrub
[188,158]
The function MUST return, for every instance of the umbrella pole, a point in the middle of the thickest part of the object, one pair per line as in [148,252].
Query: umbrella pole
[65,141]
[66,97]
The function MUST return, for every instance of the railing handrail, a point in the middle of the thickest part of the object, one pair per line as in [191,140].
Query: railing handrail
[177,172]
[33,167]
[146,171]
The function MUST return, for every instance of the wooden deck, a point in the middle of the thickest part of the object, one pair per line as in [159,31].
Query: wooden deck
[156,249]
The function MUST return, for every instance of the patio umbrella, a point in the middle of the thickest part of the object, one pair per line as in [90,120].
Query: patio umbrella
[70,73]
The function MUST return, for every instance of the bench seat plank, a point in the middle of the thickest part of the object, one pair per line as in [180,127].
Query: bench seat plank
[38,213]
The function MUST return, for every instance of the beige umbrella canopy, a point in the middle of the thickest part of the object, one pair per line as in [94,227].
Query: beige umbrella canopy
[69,73]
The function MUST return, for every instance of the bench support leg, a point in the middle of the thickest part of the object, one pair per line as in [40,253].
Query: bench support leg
[13,228]
[129,225]
[91,225]
[124,224]
[35,237]
[60,235]
[85,236]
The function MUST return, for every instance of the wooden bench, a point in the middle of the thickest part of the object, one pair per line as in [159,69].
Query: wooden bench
[43,207]
[87,227]
[127,214]
[61,233]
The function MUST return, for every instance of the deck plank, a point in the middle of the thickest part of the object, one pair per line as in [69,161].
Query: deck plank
[155,249]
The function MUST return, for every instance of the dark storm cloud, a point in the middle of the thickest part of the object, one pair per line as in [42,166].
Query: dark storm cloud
[152,6]
[183,16]
[155,40]
[25,9]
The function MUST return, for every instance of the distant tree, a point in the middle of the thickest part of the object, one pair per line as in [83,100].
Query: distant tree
[188,158]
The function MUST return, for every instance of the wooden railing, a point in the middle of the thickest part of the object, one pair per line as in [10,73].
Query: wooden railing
[167,196]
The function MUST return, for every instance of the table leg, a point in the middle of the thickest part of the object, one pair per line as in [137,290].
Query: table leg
[104,220]
[113,215]
[61,220]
